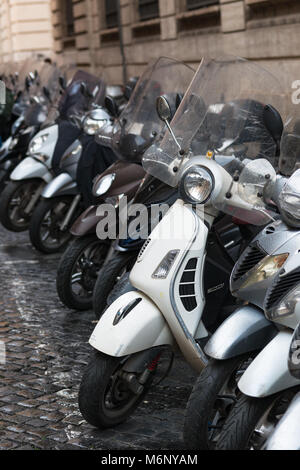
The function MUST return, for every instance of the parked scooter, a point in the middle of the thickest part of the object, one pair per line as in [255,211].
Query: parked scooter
[30,177]
[167,309]
[265,276]
[133,132]
[62,200]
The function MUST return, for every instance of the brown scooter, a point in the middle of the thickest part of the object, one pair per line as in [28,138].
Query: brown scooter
[85,256]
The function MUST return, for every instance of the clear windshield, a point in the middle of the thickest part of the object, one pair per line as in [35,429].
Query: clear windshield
[289,160]
[74,101]
[139,125]
[223,113]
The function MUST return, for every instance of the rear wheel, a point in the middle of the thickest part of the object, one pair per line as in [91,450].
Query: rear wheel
[45,225]
[77,271]
[14,200]
[108,395]
[108,277]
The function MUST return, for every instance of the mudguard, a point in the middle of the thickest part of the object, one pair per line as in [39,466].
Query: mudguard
[131,324]
[269,373]
[62,185]
[286,435]
[30,168]
[5,149]
[86,224]
[246,330]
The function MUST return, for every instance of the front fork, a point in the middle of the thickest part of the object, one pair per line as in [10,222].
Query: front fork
[34,199]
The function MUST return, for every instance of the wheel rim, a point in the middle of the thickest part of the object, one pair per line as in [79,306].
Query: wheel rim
[267,423]
[225,401]
[51,235]
[118,399]
[19,202]
[85,271]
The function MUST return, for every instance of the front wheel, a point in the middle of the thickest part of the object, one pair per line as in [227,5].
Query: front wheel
[108,395]
[14,201]
[213,396]
[253,420]
[77,271]
[44,229]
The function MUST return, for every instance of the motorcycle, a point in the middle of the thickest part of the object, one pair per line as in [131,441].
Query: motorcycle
[206,153]
[69,193]
[30,177]
[134,130]
[256,339]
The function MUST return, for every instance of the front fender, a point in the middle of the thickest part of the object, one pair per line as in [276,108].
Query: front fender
[141,326]
[246,330]
[269,373]
[87,223]
[62,183]
[286,435]
[30,168]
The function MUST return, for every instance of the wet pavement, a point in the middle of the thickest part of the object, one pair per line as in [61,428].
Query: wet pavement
[46,352]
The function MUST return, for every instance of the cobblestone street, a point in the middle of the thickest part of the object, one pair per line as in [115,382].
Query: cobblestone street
[46,352]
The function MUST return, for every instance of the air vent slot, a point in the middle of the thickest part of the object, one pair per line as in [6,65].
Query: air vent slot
[281,287]
[143,249]
[187,286]
[251,258]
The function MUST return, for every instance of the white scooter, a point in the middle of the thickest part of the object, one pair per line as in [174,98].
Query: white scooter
[166,310]
[30,177]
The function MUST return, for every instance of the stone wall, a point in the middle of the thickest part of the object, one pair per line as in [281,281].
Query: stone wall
[263,30]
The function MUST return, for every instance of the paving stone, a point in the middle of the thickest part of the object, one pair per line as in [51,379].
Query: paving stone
[47,351]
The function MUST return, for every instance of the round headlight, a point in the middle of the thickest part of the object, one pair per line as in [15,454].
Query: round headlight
[103,185]
[197,185]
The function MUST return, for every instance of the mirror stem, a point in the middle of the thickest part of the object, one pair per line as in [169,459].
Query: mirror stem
[172,134]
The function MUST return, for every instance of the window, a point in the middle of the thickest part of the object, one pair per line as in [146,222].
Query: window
[68,18]
[148,9]
[111,13]
[194,4]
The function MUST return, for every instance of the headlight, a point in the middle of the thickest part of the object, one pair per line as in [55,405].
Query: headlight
[287,306]
[165,266]
[197,185]
[269,266]
[37,143]
[91,126]
[103,185]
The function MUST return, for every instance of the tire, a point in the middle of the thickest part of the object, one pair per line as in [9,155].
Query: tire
[15,188]
[206,401]
[94,392]
[239,430]
[39,220]
[75,251]
[107,278]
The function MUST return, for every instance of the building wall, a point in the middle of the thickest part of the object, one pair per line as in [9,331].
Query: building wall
[25,27]
[264,30]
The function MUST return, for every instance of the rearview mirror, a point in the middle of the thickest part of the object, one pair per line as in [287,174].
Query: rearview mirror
[47,93]
[163,109]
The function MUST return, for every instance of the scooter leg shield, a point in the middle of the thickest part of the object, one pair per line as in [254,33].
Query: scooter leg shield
[131,324]
[246,330]
[269,373]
